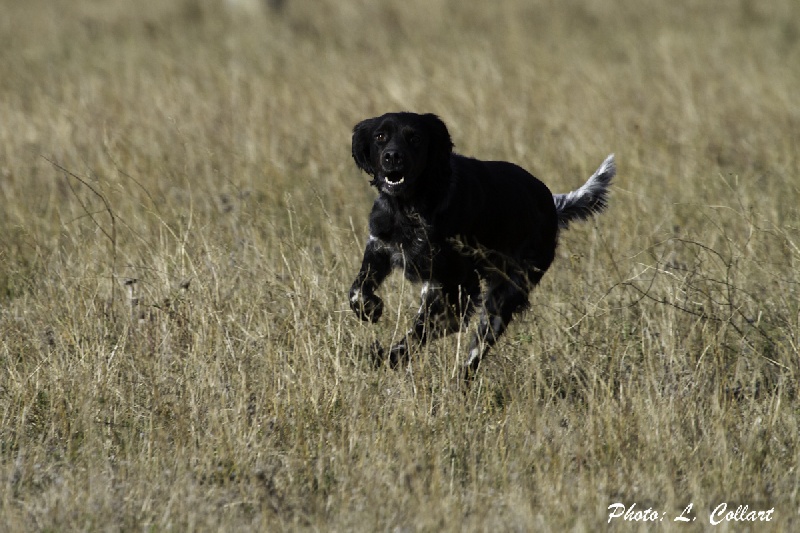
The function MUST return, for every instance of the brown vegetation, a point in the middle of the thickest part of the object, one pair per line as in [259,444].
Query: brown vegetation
[180,219]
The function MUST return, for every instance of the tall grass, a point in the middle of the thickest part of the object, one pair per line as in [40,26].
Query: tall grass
[181,219]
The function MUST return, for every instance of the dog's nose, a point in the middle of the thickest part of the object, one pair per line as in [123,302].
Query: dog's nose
[392,159]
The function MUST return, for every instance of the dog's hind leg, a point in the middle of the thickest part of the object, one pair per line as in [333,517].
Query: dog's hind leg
[442,311]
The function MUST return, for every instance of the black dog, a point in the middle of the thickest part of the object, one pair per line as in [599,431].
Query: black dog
[450,222]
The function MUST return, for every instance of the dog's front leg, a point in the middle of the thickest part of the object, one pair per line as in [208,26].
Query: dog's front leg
[502,300]
[431,308]
[375,266]
[441,312]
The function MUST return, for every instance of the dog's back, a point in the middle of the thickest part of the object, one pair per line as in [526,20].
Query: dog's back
[510,210]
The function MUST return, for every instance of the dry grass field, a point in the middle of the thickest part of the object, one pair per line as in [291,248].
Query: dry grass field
[180,220]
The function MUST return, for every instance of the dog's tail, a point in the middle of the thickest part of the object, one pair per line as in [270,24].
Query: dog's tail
[591,198]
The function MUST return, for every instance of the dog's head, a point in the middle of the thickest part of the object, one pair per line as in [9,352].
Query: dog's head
[405,153]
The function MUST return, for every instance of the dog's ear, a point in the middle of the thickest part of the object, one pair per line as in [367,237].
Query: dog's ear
[441,145]
[362,140]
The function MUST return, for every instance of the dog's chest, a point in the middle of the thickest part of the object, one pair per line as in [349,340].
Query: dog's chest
[409,239]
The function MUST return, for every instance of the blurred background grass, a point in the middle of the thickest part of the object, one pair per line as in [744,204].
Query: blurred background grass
[181,218]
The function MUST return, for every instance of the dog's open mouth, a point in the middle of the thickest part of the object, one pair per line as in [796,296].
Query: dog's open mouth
[394,179]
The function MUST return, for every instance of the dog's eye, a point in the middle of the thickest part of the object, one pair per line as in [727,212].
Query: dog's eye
[414,139]
[380,137]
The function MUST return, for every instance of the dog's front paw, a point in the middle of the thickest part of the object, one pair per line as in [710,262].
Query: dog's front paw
[368,306]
